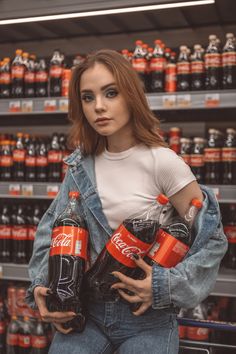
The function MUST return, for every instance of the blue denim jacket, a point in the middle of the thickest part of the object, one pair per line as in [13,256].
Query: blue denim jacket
[185,285]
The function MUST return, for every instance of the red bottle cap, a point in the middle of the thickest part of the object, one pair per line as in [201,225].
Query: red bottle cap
[74,194]
[197,203]
[162,199]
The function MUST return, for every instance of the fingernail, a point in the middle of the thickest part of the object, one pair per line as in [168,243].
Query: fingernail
[135,256]
[49,292]
[114,275]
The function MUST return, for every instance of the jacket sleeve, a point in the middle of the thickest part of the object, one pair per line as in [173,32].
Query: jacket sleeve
[192,280]
[38,265]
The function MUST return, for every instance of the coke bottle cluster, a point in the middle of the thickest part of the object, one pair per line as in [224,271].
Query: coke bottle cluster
[21,329]
[27,76]
[212,160]
[33,159]
[18,225]
[163,70]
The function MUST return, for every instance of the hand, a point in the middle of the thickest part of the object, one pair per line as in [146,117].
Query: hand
[56,318]
[142,289]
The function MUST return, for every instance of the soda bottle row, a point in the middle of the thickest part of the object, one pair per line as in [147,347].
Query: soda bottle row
[27,76]
[212,160]
[26,158]
[162,69]
[18,225]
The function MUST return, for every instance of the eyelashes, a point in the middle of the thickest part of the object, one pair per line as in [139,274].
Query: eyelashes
[88,97]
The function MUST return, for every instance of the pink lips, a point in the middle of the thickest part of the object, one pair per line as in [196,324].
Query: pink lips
[102,121]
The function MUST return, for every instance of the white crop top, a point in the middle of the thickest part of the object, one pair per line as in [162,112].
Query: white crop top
[130,180]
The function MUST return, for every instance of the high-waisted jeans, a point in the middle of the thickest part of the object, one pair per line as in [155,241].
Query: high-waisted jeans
[111,327]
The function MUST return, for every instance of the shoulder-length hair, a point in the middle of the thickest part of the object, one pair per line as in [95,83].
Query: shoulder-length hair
[145,124]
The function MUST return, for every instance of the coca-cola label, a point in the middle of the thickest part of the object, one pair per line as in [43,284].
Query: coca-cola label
[183,68]
[212,60]
[170,78]
[5,232]
[39,342]
[70,240]
[157,64]
[41,161]
[30,161]
[41,76]
[230,232]
[24,340]
[31,232]
[6,161]
[228,154]
[55,71]
[197,160]
[54,156]
[139,65]
[5,78]
[123,244]
[12,339]
[167,251]
[18,155]
[17,72]
[197,333]
[19,233]
[229,59]
[212,154]
[2,327]
[197,67]
[29,77]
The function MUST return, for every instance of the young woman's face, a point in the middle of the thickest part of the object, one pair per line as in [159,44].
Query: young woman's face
[103,105]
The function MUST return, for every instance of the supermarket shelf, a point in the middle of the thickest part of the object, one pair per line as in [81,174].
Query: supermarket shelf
[28,190]
[48,190]
[157,101]
[14,271]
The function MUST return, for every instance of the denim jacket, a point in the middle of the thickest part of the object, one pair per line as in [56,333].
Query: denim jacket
[185,285]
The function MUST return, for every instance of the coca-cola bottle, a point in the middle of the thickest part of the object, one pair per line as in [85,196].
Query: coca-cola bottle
[139,61]
[55,73]
[135,235]
[6,161]
[171,74]
[42,162]
[66,76]
[33,222]
[54,160]
[157,67]
[213,64]
[198,333]
[230,231]
[24,335]
[19,236]
[65,152]
[17,75]
[41,79]
[212,158]
[29,77]
[18,155]
[13,336]
[30,161]
[5,234]
[39,340]
[197,162]
[174,139]
[229,62]
[229,157]
[183,69]
[197,69]
[185,149]
[5,91]
[67,261]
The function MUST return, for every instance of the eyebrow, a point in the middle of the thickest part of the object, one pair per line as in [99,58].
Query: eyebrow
[102,88]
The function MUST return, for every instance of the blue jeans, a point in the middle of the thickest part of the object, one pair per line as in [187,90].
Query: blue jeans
[112,327]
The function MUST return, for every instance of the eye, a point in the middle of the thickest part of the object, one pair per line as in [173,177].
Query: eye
[111,93]
[87,97]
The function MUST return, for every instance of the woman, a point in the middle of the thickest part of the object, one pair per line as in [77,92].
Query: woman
[122,165]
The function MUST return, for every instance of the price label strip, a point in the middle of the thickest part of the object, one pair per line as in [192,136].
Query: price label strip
[63,105]
[52,191]
[14,189]
[183,101]
[212,100]
[169,101]
[27,106]
[50,105]
[216,192]
[27,190]
[14,106]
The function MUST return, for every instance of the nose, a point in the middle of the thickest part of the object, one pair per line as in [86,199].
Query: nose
[99,104]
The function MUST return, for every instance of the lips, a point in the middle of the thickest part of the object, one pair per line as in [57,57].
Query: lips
[102,119]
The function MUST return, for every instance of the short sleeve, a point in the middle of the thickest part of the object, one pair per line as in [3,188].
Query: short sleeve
[171,172]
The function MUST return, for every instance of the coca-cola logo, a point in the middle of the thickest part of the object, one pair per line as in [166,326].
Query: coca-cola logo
[19,233]
[5,232]
[62,240]
[124,248]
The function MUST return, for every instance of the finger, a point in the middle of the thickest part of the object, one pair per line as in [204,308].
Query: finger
[142,264]
[132,299]
[143,308]
[58,317]
[60,328]
[124,279]
[123,286]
